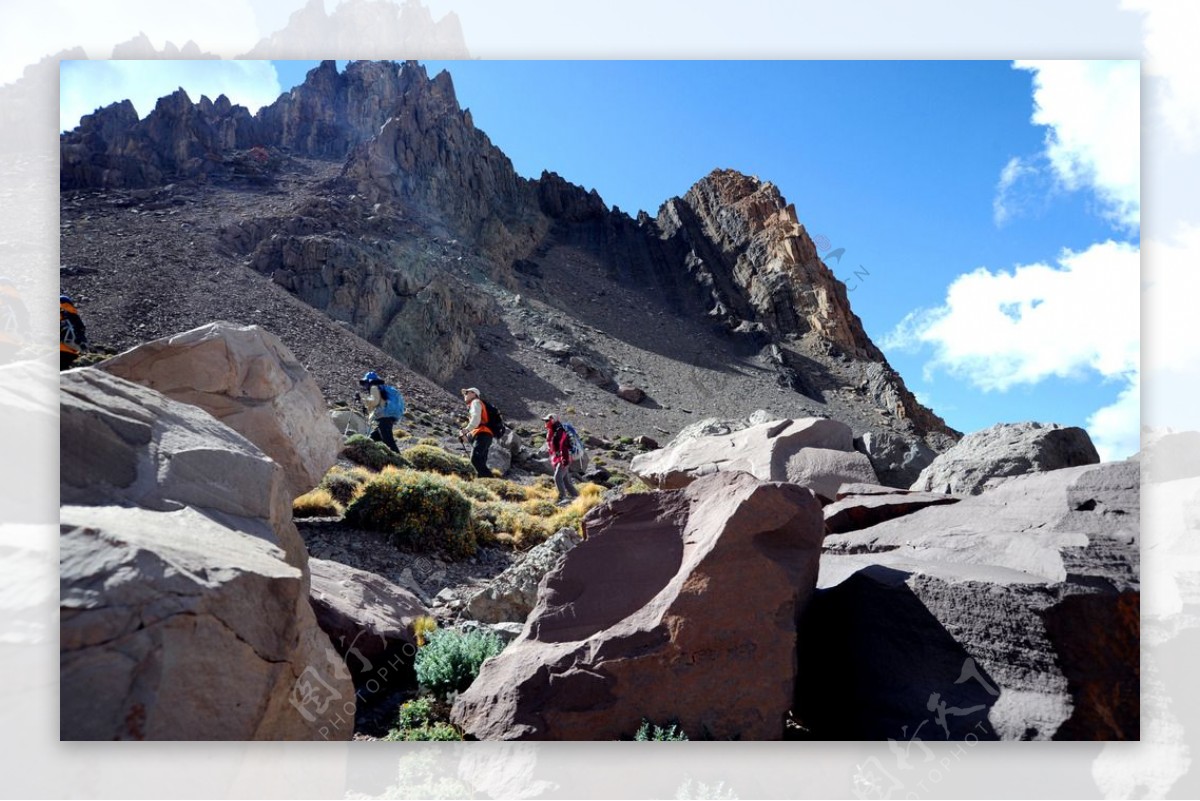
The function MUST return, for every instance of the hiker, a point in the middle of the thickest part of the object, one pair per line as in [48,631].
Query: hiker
[14,321]
[72,334]
[558,443]
[479,431]
[385,406]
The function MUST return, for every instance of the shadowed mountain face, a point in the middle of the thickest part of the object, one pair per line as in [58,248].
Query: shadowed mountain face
[372,197]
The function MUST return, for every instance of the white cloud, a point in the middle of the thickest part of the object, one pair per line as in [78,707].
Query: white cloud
[1092,110]
[1170,55]
[1009,200]
[1116,429]
[88,85]
[1003,329]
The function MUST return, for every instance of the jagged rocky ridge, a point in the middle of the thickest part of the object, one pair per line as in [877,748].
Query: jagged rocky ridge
[429,245]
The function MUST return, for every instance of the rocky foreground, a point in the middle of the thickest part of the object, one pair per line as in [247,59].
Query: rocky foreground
[774,589]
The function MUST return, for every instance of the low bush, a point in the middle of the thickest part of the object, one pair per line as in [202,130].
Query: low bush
[369,453]
[422,627]
[316,503]
[504,490]
[417,509]
[342,485]
[418,720]
[648,732]
[451,659]
[437,460]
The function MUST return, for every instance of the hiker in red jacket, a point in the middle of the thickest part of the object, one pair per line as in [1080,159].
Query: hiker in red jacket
[558,443]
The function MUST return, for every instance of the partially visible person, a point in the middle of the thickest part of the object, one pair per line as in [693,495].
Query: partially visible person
[14,321]
[72,334]
[558,443]
[385,407]
[479,431]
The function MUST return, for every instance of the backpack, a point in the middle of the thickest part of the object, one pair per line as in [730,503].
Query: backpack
[576,440]
[393,402]
[494,421]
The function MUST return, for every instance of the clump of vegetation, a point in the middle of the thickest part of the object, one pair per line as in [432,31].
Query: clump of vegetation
[432,442]
[504,490]
[418,720]
[369,453]
[422,627]
[316,503]
[417,509]
[648,732]
[475,490]
[451,659]
[438,460]
[343,485]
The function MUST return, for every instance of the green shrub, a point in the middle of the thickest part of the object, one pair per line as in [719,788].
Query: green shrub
[650,733]
[417,509]
[369,453]
[436,460]
[450,661]
[417,722]
[341,485]
[475,490]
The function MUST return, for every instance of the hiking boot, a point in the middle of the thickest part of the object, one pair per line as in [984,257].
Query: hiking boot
[563,502]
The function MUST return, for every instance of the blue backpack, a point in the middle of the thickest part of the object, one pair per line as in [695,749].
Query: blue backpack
[576,440]
[393,402]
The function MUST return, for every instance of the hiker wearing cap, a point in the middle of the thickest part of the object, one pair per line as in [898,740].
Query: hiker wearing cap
[478,432]
[558,443]
[385,407]
[72,334]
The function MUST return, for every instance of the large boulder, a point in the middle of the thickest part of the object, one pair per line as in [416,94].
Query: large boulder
[898,460]
[369,620]
[1024,601]
[679,606]
[511,596]
[992,456]
[814,452]
[248,379]
[184,584]
[867,509]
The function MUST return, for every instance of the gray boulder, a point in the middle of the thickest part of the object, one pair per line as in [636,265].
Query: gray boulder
[1024,601]
[897,460]
[992,456]
[248,379]
[511,596]
[814,452]
[184,584]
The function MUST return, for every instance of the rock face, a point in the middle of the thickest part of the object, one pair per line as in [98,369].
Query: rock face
[368,619]
[511,596]
[679,606]
[1025,601]
[989,457]
[813,452]
[184,583]
[246,378]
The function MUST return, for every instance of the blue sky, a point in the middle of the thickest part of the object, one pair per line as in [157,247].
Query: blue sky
[988,211]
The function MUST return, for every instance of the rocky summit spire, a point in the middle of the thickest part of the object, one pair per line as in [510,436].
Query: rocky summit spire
[745,242]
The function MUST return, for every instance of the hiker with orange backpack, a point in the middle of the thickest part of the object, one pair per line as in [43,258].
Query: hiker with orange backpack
[72,335]
[483,426]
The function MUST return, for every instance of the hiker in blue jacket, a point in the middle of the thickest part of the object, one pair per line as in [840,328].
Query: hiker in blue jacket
[385,406]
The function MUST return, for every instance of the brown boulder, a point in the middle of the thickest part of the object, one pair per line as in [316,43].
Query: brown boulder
[860,511]
[679,605]
[249,380]
[368,619]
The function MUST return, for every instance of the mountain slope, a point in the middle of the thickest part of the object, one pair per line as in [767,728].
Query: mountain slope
[373,198]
